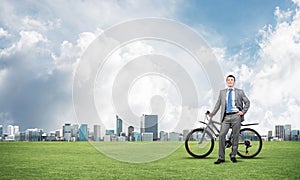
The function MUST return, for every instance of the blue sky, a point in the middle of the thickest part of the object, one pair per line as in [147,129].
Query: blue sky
[41,43]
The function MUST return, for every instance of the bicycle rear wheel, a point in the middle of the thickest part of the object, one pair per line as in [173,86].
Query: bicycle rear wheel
[199,144]
[250,143]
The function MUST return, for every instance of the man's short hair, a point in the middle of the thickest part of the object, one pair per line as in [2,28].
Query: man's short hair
[230,76]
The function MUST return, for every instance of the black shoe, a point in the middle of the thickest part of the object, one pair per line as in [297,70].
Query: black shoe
[233,159]
[219,161]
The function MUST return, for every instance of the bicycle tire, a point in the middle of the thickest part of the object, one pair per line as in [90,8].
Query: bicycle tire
[194,148]
[250,137]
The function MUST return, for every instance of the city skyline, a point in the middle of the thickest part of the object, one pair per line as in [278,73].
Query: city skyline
[74,132]
[40,52]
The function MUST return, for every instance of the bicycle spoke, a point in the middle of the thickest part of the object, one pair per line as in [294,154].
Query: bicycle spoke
[250,143]
[199,144]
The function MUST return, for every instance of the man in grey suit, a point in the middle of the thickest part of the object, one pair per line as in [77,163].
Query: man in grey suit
[234,105]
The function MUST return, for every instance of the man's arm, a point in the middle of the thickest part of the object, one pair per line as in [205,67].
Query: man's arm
[246,102]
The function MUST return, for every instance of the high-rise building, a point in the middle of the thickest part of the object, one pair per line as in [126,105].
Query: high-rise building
[33,134]
[130,133]
[270,135]
[16,129]
[75,131]
[10,130]
[287,132]
[149,124]
[163,136]
[279,131]
[137,136]
[295,135]
[97,132]
[67,131]
[58,134]
[119,127]
[83,132]
[1,131]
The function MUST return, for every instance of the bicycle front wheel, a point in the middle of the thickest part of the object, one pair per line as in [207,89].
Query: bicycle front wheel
[250,143]
[198,143]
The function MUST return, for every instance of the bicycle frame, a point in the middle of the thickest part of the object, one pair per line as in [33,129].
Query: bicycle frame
[213,128]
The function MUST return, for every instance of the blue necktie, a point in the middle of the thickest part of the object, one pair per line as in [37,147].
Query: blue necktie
[229,103]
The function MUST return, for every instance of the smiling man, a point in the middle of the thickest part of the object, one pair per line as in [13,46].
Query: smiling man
[234,104]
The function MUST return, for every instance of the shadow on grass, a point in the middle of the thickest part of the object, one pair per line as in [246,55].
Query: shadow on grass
[254,158]
[198,158]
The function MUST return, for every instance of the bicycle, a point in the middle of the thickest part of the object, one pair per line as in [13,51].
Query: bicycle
[200,142]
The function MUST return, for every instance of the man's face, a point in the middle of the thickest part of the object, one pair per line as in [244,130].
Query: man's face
[230,82]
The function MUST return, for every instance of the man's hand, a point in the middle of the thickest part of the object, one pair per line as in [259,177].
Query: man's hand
[240,113]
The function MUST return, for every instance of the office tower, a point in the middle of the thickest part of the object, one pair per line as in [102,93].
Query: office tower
[279,131]
[1,130]
[83,132]
[149,124]
[10,130]
[295,135]
[137,136]
[97,132]
[130,133]
[33,134]
[74,132]
[119,127]
[163,136]
[16,129]
[58,134]
[270,135]
[287,132]
[67,131]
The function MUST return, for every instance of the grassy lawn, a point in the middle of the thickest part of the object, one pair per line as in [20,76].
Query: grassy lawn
[80,160]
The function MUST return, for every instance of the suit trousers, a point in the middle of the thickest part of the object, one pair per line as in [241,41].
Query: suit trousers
[230,121]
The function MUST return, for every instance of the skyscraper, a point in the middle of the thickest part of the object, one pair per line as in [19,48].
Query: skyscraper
[163,136]
[149,124]
[295,135]
[74,131]
[279,131]
[270,135]
[130,133]
[10,130]
[1,130]
[83,132]
[287,132]
[16,129]
[67,131]
[119,127]
[97,132]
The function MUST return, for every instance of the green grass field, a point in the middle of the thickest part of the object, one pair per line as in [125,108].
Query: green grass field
[80,160]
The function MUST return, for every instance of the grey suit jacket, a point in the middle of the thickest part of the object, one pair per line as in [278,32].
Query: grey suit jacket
[241,102]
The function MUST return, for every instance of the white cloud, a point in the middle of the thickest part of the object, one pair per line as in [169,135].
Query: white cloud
[28,39]
[30,23]
[4,33]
